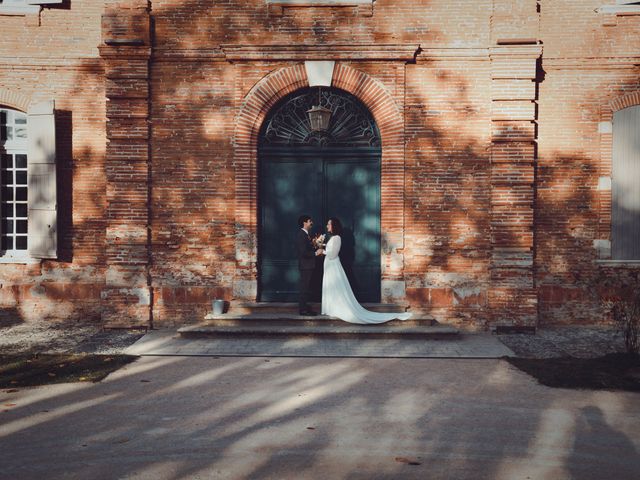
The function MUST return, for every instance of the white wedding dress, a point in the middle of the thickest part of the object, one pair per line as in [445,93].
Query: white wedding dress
[337,297]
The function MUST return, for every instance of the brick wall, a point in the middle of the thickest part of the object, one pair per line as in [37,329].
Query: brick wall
[53,56]
[193,187]
[447,252]
[572,212]
[500,108]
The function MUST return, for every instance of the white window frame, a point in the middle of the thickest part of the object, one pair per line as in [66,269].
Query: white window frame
[15,147]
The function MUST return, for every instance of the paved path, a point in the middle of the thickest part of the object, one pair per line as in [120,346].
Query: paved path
[477,345]
[178,418]
[578,341]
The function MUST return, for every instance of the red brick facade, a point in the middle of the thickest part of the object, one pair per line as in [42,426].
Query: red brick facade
[495,118]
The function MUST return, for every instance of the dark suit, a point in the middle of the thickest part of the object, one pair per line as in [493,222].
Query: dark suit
[306,265]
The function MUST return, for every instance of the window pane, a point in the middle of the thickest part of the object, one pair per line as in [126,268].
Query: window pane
[21,119]
[7,210]
[7,161]
[21,243]
[21,178]
[7,226]
[7,178]
[21,210]
[21,193]
[21,161]
[3,116]
[21,226]
[7,243]
[7,194]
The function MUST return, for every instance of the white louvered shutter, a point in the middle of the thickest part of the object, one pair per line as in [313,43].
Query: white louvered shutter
[625,214]
[41,158]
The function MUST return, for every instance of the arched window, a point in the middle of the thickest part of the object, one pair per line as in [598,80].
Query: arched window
[625,213]
[14,206]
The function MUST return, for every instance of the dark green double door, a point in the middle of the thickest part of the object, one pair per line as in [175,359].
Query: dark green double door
[323,184]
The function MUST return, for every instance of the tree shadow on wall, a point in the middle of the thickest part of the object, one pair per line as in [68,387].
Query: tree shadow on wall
[445,233]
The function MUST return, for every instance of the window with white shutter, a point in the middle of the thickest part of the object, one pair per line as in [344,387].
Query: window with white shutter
[28,204]
[625,185]
[13,183]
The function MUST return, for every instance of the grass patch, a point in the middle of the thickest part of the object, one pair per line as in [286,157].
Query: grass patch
[29,370]
[615,371]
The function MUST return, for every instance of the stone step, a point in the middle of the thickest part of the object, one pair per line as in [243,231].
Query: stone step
[295,325]
[285,307]
[229,319]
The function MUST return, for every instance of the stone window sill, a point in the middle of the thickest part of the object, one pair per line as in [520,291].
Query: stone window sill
[19,10]
[18,260]
[619,263]
[619,9]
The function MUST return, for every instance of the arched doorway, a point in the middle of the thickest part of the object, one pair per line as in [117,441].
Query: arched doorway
[334,172]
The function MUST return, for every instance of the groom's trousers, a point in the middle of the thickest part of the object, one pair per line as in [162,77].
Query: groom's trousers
[305,289]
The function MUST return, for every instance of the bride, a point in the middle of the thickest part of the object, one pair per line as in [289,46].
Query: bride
[337,297]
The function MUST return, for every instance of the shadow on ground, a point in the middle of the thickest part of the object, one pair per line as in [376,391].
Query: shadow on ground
[615,371]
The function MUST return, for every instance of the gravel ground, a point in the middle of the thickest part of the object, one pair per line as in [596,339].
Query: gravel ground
[549,342]
[573,341]
[65,338]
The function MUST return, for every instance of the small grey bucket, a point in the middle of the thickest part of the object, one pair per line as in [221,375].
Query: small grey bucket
[218,307]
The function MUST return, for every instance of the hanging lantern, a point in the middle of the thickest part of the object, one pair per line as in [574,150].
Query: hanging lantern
[319,118]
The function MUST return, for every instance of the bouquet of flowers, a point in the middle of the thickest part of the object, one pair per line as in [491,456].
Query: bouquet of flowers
[318,241]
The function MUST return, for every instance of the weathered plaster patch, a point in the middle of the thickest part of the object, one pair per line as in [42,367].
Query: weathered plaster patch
[603,248]
[245,289]
[121,276]
[392,290]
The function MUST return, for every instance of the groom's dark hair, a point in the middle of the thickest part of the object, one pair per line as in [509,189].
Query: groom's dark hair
[302,219]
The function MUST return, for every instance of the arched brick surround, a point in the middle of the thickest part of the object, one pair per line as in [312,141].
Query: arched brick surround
[388,117]
[14,100]
[624,101]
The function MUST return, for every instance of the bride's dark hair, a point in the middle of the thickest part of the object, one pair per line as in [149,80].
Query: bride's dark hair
[336,226]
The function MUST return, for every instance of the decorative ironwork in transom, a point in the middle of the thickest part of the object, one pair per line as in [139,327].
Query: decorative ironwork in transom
[350,125]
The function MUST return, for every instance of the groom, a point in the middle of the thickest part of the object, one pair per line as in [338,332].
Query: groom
[306,262]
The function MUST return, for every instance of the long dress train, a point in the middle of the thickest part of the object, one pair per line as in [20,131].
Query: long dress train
[337,297]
